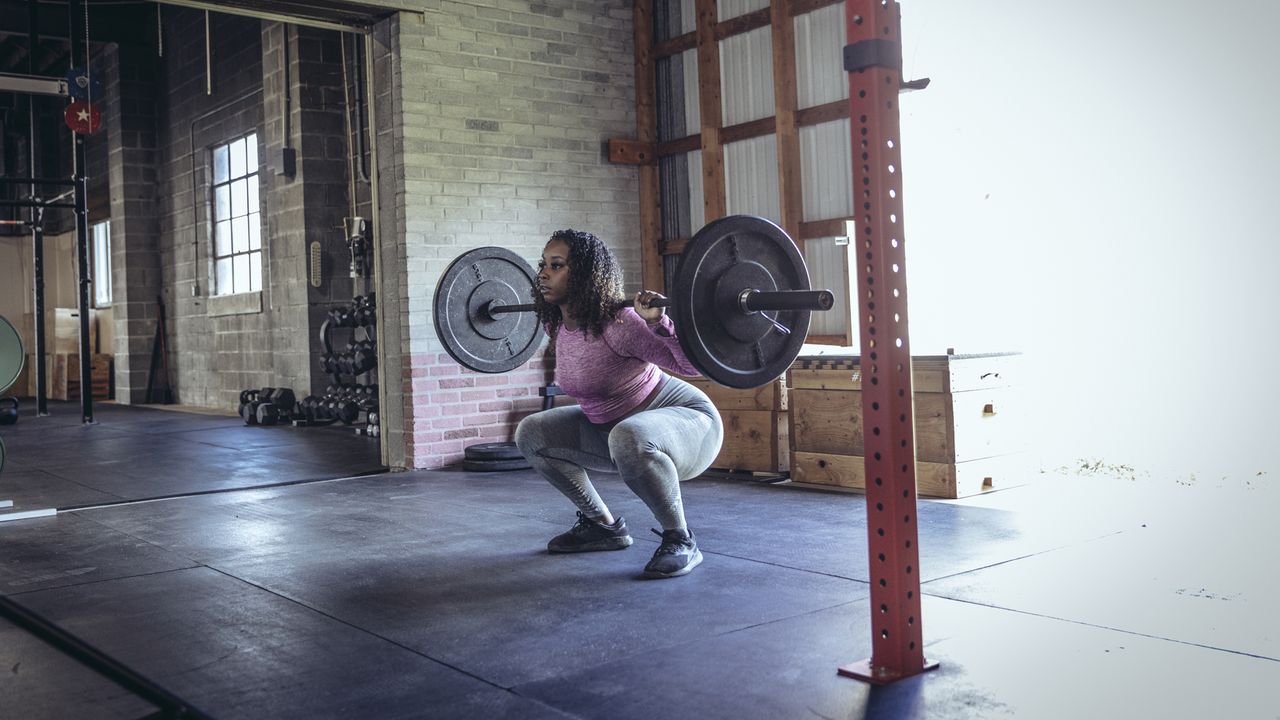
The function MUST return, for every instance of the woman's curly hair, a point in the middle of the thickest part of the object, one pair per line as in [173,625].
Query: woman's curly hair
[595,285]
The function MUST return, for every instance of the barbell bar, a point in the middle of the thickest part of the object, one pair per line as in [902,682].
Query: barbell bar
[732,273]
[750,300]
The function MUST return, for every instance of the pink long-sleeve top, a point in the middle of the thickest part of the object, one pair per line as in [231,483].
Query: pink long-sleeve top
[611,374]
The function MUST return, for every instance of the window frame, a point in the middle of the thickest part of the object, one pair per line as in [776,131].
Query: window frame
[100,244]
[235,216]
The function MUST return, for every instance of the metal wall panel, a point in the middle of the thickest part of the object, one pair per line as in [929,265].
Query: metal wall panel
[746,76]
[733,8]
[672,18]
[677,96]
[826,170]
[820,41]
[697,210]
[827,269]
[692,98]
[680,178]
[751,178]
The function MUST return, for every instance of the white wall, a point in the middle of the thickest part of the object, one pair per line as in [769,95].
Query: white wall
[1092,183]
[60,287]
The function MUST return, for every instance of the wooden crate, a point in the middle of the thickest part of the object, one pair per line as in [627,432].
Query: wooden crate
[102,375]
[772,396]
[63,376]
[939,480]
[755,426]
[754,441]
[966,422]
[19,387]
[950,427]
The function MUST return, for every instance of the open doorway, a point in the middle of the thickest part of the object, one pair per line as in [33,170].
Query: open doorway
[231,251]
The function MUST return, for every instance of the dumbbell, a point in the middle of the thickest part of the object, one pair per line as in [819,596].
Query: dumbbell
[315,408]
[264,408]
[342,316]
[347,411]
[283,404]
[364,357]
[249,401]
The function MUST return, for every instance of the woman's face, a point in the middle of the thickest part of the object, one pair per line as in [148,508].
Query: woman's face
[553,273]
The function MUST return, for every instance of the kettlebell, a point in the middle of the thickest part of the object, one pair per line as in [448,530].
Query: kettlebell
[8,415]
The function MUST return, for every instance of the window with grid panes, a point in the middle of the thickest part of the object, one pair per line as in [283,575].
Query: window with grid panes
[237,219]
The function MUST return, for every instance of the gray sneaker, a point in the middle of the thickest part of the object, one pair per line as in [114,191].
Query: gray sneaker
[588,535]
[676,556]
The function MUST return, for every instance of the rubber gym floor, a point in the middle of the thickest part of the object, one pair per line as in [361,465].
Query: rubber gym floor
[273,576]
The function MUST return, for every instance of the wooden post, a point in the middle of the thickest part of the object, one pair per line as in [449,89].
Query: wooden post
[647,135]
[709,109]
[790,195]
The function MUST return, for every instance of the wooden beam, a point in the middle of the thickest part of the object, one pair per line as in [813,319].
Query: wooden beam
[755,128]
[675,45]
[800,7]
[713,192]
[838,340]
[632,152]
[790,194]
[832,227]
[647,134]
[675,246]
[822,113]
[742,23]
[747,130]
[736,26]
[686,144]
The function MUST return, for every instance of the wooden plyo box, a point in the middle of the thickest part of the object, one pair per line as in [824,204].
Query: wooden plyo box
[65,337]
[967,422]
[755,426]
[63,376]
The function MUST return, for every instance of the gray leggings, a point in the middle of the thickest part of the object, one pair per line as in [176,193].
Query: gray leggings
[675,438]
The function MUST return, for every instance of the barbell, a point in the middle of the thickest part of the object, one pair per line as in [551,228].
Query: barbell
[740,300]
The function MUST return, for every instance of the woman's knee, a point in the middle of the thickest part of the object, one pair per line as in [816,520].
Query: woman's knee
[529,436]
[627,441]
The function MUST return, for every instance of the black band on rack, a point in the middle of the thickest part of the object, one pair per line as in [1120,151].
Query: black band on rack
[873,53]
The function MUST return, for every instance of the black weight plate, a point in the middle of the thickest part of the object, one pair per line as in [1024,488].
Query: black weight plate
[493,451]
[727,256]
[12,357]
[1,453]
[476,340]
[494,465]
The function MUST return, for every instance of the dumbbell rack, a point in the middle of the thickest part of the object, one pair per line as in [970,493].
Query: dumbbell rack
[351,403]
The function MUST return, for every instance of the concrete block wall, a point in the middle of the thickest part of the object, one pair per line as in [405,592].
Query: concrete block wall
[220,345]
[129,138]
[150,171]
[501,112]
